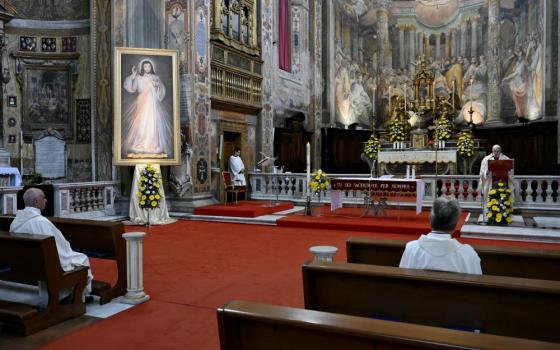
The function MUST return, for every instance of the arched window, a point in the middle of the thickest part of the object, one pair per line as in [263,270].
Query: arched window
[245,25]
[225,16]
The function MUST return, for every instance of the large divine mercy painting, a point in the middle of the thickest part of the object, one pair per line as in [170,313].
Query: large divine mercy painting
[146,107]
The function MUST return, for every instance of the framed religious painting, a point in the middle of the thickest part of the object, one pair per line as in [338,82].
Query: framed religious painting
[46,98]
[147,125]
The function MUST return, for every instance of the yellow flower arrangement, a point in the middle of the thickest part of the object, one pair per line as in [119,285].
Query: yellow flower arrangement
[319,182]
[444,129]
[397,130]
[148,188]
[465,144]
[372,147]
[499,205]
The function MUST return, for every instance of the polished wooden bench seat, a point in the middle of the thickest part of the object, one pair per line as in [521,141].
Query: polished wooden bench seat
[507,306]
[246,325]
[97,239]
[501,261]
[29,259]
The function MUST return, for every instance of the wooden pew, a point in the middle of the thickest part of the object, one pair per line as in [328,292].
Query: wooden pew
[29,259]
[501,261]
[499,305]
[247,325]
[97,239]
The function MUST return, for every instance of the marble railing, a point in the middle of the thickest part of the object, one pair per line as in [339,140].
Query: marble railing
[78,200]
[531,192]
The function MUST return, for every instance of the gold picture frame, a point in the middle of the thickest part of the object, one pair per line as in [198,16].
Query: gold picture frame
[146,107]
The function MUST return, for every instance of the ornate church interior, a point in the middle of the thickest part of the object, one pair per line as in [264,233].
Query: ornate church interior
[204,157]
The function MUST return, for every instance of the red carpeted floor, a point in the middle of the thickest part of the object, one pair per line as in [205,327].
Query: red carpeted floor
[193,267]
[403,221]
[247,209]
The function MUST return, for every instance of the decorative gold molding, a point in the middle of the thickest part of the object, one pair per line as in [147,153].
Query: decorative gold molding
[46,56]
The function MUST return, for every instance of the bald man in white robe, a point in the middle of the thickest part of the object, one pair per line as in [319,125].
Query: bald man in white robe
[30,221]
[486,178]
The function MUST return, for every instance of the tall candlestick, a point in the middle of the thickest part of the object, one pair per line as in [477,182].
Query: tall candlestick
[434,93]
[453,94]
[470,89]
[404,89]
[389,100]
[308,150]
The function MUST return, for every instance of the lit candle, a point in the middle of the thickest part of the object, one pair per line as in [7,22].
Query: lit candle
[308,151]
[470,89]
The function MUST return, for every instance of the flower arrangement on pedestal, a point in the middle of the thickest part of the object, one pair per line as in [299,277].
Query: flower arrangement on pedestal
[372,147]
[499,205]
[444,129]
[149,189]
[319,182]
[397,131]
[465,144]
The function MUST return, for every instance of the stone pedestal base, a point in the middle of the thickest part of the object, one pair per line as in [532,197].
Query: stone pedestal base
[134,269]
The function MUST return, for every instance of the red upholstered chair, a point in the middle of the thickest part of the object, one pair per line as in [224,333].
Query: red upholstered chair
[230,187]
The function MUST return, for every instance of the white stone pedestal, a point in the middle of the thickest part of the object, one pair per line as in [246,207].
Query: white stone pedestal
[134,269]
[323,253]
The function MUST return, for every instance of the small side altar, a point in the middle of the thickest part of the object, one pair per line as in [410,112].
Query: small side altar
[416,158]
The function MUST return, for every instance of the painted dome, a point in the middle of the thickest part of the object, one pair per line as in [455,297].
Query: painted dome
[436,13]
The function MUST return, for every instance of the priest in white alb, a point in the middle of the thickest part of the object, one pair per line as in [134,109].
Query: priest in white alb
[30,221]
[237,168]
[486,175]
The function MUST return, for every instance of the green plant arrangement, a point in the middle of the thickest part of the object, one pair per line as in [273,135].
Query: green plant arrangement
[372,147]
[444,129]
[33,178]
[499,205]
[149,188]
[319,182]
[465,144]
[397,130]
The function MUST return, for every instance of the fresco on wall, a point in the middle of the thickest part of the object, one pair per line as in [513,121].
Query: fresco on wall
[381,45]
[52,10]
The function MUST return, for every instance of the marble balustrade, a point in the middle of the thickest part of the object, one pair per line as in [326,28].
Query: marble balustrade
[75,200]
[531,192]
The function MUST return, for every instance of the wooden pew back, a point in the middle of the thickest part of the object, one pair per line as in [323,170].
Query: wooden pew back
[97,239]
[500,261]
[492,304]
[247,325]
[29,259]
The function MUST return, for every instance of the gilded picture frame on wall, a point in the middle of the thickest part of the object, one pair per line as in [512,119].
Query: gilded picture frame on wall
[146,107]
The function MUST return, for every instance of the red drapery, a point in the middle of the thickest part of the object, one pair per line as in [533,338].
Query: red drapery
[284,42]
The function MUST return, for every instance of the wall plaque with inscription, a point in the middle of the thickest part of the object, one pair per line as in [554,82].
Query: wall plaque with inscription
[50,157]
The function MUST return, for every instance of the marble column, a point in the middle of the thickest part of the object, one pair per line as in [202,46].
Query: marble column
[447,45]
[331,27]
[134,269]
[427,47]
[383,33]
[464,39]
[401,46]
[316,49]
[421,45]
[269,66]
[438,46]
[474,37]
[453,43]
[411,44]
[494,106]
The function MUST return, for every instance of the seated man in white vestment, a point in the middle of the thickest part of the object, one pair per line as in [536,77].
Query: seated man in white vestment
[29,220]
[485,175]
[237,168]
[437,250]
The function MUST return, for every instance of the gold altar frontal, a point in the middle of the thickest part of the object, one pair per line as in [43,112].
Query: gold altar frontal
[393,162]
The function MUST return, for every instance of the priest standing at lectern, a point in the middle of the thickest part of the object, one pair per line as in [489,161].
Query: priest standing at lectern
[237,168]
[486,176]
